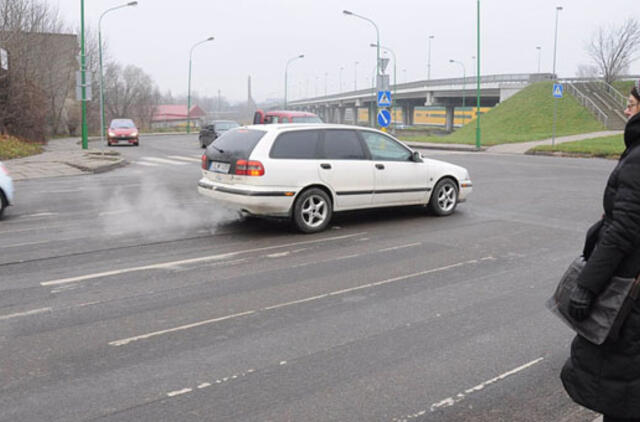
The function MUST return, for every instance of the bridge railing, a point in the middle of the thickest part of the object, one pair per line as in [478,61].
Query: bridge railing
[426,84]
[614,93]
[588,103]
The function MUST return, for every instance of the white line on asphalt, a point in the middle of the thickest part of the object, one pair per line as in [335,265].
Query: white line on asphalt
[164,161]
[125,341]
[450,401]
[393,248]
[144,163]
[113,212]
[209,384]
[179,392]
[42,214]
[183,158]
[15,245]
[19,314]
[165,265]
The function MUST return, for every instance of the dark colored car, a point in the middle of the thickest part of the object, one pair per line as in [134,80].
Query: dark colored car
[213,130]
[122,130]
[284,116]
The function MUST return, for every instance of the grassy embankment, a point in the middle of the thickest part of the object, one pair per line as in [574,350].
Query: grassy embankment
[11,147]
[607,147]
[526,116]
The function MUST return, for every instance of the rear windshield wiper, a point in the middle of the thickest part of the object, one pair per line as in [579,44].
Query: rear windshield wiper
[217,149]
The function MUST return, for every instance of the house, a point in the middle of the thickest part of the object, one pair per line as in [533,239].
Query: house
[175,115]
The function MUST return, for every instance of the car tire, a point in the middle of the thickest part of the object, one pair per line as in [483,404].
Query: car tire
[3,203]
[312,211]
[444,198]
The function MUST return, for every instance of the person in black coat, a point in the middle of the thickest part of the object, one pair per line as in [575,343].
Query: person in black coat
[606,378]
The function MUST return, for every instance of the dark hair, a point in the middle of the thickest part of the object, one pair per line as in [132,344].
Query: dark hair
[635,91]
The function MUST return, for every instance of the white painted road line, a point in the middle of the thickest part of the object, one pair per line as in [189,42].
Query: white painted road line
[20,314]
[125,341]
[164,161]
[450,401]
[144,163]
[393,248]
[183,158]
[170,264]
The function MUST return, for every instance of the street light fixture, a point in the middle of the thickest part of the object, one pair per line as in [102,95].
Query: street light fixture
[349,13]
[555,78]
[131,3]
[286,69]
[429,59]
[464,87]
[189,89]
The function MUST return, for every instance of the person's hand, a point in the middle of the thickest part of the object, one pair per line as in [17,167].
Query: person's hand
[580,303]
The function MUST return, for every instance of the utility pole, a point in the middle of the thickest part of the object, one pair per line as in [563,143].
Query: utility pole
[83,88]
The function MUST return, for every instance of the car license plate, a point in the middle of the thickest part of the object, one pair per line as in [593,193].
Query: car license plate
[219,167]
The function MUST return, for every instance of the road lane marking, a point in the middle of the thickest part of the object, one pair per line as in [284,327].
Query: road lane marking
[164,161]
[209,384]
[170,264]
[450,401]
[393,248]
[19,314]
[42,214]
[15,245]
[183,158]
[126,341]
[179,392]
[144,163]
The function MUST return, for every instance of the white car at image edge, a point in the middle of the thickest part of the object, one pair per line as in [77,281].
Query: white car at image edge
[6,189]
[305,172]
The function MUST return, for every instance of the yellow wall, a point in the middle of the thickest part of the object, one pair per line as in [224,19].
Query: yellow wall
[432,116]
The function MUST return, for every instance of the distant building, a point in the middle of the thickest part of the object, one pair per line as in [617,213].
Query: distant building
[175,115]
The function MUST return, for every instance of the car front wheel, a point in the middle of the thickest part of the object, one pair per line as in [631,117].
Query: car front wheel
[444,197]
[312,211]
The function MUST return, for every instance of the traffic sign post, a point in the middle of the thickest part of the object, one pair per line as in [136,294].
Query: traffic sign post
[384,98]
[557,90]
[384,117]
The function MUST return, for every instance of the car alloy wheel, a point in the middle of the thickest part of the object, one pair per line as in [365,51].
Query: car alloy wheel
[312,211]
[444,198]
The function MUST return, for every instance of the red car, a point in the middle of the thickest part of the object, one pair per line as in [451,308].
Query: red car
[284,116]
[122,130]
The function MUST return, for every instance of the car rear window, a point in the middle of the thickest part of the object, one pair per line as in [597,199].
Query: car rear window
[343,145]
[236,142]
[299,144]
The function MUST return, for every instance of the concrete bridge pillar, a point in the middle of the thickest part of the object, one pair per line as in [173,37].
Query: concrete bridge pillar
[341,112]
[354,111]
[450,110]
[407,114]
[372,114]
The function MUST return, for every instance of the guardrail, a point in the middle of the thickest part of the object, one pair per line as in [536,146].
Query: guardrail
[588,103]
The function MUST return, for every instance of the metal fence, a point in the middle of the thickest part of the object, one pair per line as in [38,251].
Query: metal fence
[587,103]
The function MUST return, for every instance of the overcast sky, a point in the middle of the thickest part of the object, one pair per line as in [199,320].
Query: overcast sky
[257,37]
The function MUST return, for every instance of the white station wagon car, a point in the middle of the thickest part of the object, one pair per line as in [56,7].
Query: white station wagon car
[305,172]
[6,189]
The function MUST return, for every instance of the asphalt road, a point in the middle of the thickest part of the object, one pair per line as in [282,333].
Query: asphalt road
[125,296]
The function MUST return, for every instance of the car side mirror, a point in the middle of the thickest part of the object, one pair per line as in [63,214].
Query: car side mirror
[416,156]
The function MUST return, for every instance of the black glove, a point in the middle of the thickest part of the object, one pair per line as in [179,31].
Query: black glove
[580,303]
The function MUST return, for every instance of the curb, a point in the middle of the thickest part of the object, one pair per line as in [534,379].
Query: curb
[570,154]
[100,169]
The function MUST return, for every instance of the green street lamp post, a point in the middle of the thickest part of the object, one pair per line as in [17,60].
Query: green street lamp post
[555,78]
[132,3]
[85,134]
[464,87]
[478,79]
[286,69]
[189,89]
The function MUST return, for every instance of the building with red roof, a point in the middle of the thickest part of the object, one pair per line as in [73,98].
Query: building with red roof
[175,115]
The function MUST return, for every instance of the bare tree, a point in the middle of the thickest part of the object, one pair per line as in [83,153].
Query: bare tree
[612,48]
[129,92]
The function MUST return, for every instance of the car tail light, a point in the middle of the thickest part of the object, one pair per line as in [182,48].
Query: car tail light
[249,168]
[205,162]
[3,169]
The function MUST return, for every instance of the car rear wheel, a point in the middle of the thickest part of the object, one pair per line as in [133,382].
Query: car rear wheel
[444,197]
[312,211]
[3,203]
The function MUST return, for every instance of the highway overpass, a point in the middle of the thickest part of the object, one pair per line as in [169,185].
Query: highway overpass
[448,93]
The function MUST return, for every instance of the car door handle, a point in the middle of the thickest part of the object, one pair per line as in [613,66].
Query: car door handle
[380,166]
[325,166]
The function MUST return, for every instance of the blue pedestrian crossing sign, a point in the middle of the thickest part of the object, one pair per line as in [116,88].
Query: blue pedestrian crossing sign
[384,98]
[384,117]
[557,90]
